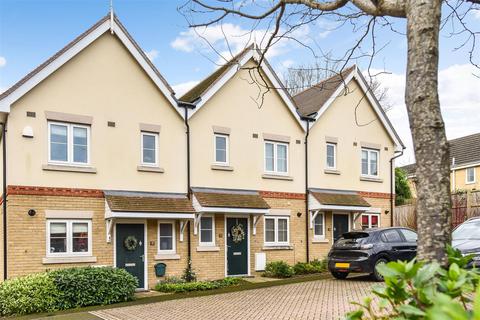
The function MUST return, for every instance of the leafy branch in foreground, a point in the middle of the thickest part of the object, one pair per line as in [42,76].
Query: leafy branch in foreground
[417,290]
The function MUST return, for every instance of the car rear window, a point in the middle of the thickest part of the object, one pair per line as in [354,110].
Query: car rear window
[354,237]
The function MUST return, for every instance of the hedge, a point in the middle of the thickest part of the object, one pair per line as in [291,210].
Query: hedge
[281,269]
[174,285]
[65,289]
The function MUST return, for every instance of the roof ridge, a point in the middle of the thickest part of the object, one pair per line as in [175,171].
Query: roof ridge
[326,79]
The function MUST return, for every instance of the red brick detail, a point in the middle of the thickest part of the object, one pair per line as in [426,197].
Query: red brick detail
[282,195]
[52,191]
[378,195]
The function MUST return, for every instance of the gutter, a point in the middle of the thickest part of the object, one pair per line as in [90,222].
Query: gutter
[4,198]
[186,106]
[307,119]
[392,183]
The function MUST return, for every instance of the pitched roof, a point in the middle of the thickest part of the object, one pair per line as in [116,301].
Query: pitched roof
[231,199]
[149,203]
[312,99]
[118,26]
[465,150]
[340,199]
[193,94]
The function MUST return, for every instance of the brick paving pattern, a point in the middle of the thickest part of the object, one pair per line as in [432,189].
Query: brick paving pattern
[323,299]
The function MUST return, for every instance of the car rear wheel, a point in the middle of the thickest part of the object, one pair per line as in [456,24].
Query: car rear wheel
[339,275]
[375,275]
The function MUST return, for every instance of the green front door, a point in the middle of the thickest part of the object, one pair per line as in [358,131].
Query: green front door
[237,246]
[130,248]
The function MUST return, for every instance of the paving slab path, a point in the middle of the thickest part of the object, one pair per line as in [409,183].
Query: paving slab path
[321,299]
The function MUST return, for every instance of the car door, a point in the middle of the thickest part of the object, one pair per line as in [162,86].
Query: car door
[410,238]
[395,244]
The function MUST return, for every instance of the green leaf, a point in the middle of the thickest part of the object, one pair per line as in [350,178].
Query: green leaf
[410,310]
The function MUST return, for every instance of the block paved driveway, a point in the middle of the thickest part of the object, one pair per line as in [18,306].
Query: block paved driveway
[321,299]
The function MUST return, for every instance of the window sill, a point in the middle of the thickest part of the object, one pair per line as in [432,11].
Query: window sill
[277,177]
[331,171]
[277,247]
[167,256]
[221,167]
[207,249]
[320,240]
[68,168]
[371,179]
[150,169]
[473,182]
[79,259]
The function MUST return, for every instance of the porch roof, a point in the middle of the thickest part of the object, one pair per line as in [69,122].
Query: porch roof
[338,200]
[224,200]
[125,204]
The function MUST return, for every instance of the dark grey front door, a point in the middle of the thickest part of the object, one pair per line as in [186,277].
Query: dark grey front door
[130,250]
[340,225]
[237,246]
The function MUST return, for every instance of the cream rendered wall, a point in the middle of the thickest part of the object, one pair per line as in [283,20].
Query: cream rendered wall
[339,121]
[233,106]
[461,182]
[103,81]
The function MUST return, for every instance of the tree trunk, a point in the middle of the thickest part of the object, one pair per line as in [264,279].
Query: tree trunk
[428,130]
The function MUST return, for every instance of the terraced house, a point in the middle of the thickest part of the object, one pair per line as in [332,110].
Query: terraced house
[104,165]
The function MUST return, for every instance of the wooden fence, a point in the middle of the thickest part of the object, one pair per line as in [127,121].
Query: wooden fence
[464,206]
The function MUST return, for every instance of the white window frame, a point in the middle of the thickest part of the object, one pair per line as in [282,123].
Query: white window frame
[227,149]
[334,155]
[474,176]
[275,228]
[156,136]
[70,127]
[275,157]
[370,214]
[204,243]
[69,223]
[174,237]
[370,151]
[318,236]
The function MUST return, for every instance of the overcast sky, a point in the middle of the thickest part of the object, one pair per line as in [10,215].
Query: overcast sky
[33,30]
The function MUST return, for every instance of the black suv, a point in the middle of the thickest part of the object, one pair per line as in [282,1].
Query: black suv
[361,251]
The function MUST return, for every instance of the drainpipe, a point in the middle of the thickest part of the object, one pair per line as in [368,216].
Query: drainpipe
[4,198]
[392,183]
[307,119]
[454,180]
[186,106]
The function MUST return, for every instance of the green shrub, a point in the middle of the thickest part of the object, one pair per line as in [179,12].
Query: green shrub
[278,269]
[416,290]
[315,266]
[188,274]
[80,287]
[167,286]
[29,294]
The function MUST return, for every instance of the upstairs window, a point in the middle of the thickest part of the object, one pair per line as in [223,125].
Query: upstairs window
[370,162]
[276,157]
[470,175]
[331,156]
[149,149]
[221,149]
[68,143]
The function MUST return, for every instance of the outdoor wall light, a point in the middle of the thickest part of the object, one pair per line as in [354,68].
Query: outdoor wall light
[387,211]
[299,214]
[32,212]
